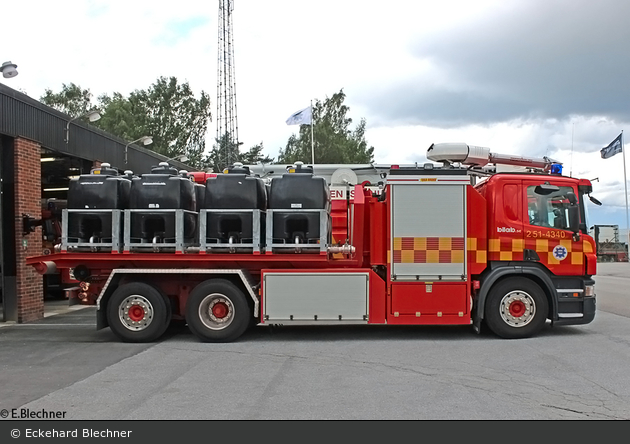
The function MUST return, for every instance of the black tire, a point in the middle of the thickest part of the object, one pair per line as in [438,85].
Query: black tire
[516,308]
[217,311]
[138,312]
[169,307]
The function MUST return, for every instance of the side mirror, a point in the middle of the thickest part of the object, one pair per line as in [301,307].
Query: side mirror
[574,216]
[595,201]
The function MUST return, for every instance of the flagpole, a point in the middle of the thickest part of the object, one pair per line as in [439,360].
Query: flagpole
[313,145]
[625,184]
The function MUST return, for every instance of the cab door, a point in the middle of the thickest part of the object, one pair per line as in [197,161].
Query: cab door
[547,231]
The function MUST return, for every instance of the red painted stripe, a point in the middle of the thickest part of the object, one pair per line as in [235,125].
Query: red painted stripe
[407,243]
[445,257]
[433,243]
[420,257]
[397,256]
[457,243]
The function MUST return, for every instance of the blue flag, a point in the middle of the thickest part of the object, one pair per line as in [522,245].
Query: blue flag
[613,148]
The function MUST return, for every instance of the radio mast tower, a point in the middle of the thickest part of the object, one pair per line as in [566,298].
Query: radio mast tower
[227,125]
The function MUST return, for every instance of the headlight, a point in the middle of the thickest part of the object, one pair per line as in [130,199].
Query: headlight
[589,290]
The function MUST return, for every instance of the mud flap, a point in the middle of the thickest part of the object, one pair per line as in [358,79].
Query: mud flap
[476,320]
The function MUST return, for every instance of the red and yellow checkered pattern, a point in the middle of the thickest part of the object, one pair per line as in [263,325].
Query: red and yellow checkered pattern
[506,249]
[428,250]
[477,253]
[450,250]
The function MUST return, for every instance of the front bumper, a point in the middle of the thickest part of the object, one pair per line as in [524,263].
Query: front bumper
[587,315]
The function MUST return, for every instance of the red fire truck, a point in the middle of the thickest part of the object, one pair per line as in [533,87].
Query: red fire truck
[450,242]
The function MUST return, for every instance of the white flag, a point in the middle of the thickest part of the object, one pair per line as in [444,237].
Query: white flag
[301,117]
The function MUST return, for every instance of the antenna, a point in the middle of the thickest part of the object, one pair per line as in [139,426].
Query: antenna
[571,169]
[227,125]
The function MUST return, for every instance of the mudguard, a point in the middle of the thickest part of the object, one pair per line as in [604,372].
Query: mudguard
[498,270]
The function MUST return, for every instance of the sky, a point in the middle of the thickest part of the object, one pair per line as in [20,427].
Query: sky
[525,77]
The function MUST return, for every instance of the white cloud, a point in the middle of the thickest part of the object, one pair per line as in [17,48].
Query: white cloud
[407,67]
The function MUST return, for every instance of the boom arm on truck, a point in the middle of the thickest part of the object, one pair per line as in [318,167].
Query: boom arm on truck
[476,156]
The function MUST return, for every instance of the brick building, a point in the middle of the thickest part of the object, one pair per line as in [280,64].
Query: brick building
[41,149]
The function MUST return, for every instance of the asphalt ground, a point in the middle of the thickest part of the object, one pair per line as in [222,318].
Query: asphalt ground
[61,363]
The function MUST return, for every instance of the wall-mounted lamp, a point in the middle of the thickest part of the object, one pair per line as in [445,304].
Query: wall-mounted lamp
[93,116]
[180,158]
[8,70]
[146,140]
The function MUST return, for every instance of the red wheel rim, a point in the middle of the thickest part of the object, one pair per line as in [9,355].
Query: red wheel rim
[517,309]
[136,313]
[220,310]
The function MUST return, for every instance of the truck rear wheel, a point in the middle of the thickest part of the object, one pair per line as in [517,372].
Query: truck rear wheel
[516,308]
[138,312]
[217,311]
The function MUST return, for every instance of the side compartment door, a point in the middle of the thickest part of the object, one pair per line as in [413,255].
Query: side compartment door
[428,232]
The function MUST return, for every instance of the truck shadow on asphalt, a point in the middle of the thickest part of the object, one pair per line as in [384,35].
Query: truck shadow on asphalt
[294,333]
[80,327]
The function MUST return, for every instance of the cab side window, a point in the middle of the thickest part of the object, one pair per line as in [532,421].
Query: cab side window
[551,210]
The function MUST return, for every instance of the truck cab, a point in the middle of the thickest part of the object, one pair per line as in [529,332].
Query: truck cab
[539,253]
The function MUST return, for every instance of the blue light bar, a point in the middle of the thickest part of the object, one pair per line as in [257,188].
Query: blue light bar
[556,168]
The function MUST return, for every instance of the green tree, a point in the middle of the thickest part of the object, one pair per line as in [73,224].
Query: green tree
[71,99]
[333,140]
[218,158]
[167,111]
[121,118]
[255,155]
[224,153]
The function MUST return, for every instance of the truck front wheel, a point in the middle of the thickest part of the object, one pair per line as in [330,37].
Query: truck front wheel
[217,311]
[138,312]
[516,308]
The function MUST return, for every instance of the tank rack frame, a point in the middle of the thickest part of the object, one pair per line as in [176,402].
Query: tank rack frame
[322,242]
[121,240]
[131,244]
[205,245]
[76,244]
